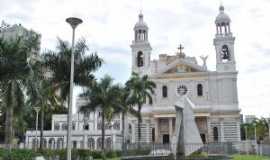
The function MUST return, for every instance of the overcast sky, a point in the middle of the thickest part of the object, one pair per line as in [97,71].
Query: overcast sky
[108,29]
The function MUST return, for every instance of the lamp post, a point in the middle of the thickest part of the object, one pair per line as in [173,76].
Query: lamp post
[269,127]
[37,109]
[74,22]
[255,138]
[255,133]
[246,139]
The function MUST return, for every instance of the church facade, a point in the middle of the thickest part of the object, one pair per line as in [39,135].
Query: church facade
[213,93]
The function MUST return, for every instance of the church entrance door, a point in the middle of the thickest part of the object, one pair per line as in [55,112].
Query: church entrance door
[166,138]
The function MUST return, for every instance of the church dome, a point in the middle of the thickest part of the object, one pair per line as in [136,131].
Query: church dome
[222,16]
[140,24]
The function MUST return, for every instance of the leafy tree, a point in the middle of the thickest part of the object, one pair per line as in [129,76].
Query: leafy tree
[141,88]
[262,129]
[101,95]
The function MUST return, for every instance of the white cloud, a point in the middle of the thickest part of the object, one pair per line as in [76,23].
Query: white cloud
[108,28]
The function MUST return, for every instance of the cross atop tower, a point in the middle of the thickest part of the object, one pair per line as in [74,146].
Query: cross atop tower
[180,52]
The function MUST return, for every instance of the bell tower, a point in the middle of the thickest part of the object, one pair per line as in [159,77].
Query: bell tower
[141,48]
[224,43]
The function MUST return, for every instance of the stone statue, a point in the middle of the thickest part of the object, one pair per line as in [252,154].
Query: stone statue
[187,132]
[204,58]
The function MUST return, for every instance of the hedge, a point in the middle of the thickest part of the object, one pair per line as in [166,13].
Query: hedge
[82,154]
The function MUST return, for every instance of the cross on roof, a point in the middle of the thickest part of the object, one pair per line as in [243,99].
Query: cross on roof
[181,54]
[180,48]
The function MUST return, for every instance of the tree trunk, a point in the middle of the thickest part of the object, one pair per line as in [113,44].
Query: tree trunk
[139,125]
[8,127]
[41,127]
[123,132]
[102,130]
[9,117]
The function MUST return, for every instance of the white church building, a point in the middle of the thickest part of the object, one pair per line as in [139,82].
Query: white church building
[212,93]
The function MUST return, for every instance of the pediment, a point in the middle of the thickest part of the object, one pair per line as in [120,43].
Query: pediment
[182,66]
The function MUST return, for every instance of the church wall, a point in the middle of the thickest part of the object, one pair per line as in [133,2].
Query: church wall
[173,96]
[227,91]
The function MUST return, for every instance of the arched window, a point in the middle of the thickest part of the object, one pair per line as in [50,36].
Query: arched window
[150,101]
[44,143]
[64,126]
[73,126]
[129,128]
[91,143]
[99,143]
[108,143]
[60,143]
[56,126]
[140,59]
[215,133]
[51,143]
[116,125]
[35,143]
[164,91]
[199,90]
[86,126]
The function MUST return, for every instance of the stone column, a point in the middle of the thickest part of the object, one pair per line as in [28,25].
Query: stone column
[156,131]
[84,141]
[147,131]
[221,131]
[96,143]
[47,142]
[170,129]
[238,130]
[114,142]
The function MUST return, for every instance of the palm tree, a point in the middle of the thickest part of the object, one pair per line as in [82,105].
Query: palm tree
[43,95]
[141,89]
[14,63]
[58,66]
[125,103]
[101,95]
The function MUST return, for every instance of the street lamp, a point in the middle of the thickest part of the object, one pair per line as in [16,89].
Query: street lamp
[74,22]
[269,127]
[37,109]
[255,134]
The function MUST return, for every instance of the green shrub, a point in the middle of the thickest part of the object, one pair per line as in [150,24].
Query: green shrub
[82,154]
[16,154]
[138,152]
[198,154]
[96,154]
[111,154]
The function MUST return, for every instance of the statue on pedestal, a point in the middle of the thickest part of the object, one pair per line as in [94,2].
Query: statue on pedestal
[187,132]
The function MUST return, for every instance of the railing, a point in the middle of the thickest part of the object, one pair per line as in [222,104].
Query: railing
[218,148]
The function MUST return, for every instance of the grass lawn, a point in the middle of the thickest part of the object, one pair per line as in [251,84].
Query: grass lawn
[250,157]
[109,159]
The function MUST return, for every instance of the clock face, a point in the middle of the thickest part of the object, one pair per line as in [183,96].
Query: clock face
[182,90]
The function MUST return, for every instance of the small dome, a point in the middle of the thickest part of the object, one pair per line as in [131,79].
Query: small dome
[222,16]
[141,24]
